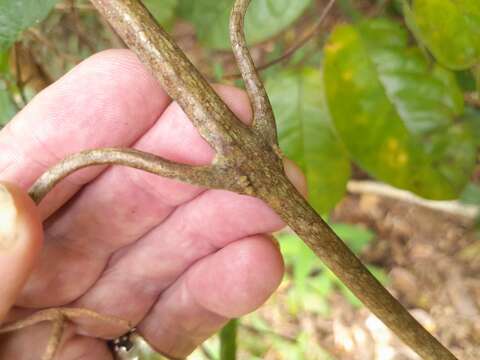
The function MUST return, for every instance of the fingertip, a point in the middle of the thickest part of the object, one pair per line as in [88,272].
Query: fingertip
[239,278]
[21,237]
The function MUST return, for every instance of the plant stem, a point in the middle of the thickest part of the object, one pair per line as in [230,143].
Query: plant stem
[228,341]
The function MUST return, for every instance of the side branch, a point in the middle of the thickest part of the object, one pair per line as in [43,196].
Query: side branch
[263,118]
[58,318]
[212,176]
[310,34]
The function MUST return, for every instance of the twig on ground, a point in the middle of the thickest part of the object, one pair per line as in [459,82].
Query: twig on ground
[453,207]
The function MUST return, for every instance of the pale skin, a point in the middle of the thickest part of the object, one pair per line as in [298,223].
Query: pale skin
[175,260]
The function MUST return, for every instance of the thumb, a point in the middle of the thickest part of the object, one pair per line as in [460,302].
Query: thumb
[21,238]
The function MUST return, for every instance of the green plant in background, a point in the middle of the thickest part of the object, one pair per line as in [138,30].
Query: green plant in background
[265,19]
[449,29]
[306,134]
[313,283]
[408,112]
[7,107]
[16,16]
[228,341]
[164,11]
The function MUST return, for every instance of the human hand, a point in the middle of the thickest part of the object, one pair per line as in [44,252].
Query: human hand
[175,260]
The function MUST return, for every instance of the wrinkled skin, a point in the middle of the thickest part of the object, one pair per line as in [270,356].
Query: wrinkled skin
[176,260]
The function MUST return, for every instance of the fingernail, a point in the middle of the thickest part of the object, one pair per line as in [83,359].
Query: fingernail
[8,216]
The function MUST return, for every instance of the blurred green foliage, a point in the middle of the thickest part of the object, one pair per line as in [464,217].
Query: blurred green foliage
[228,341]
[164,11]
[265,19]
[7,108]
[312,282]
[449,28]
[408,112]
[306,135]
[16,16]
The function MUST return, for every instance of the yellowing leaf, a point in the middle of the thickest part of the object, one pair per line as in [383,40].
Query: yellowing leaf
[399,118]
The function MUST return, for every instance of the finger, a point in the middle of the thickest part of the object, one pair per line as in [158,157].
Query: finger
[140,272]
[127,204]
[109,99]
[230,283]
[21,238]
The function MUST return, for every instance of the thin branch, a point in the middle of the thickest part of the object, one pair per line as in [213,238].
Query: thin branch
[77,27]
[472,99]
[18,75]
[456,208]
[206,352]
[58,317]
[262,332]
[263,118]
[55,337]
[51,315]
[208,176]
[37,35]
[80,7]
[310,34]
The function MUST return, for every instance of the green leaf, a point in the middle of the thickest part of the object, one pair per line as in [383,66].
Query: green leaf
[299,257]
[4,60]
[308,293]
[265,18]
[228,341]
[471,194]
[377,272]
[449,28]
[162,10]
[399,118]
[466,80]
[306,135]
[472,118]
[356,237]
[17,15]
[7,108]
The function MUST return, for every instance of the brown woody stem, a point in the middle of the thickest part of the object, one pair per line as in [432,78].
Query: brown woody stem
[263,118]
[207,176]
